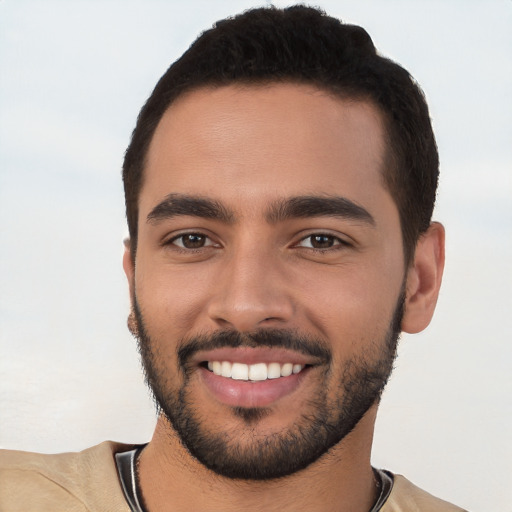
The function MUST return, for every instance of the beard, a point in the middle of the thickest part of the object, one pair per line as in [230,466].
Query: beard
[243,453]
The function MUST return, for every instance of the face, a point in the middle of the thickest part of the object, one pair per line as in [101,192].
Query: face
[269,277]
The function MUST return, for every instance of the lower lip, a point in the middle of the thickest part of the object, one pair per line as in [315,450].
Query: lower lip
[241,393]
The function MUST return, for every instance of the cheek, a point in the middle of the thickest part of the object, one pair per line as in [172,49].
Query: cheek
[171,300]
[352,308]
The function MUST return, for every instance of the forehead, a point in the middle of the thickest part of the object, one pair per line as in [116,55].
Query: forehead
[261,141]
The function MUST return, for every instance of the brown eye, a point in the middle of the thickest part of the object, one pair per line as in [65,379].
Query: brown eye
[191,241]
[320,241]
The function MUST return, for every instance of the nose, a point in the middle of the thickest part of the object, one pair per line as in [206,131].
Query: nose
[252,292]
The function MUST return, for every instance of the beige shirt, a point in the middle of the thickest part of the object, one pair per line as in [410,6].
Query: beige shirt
[88,482]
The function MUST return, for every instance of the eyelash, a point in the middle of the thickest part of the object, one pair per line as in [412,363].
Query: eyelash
[337,242]
[172,241]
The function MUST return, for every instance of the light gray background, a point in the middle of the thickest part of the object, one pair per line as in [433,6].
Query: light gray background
[73,76]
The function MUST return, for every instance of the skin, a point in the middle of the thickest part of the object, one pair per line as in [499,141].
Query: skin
[245,148]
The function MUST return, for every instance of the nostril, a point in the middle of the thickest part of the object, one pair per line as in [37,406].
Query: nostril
[222,322]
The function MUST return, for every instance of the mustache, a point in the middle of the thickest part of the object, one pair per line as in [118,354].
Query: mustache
[272,338]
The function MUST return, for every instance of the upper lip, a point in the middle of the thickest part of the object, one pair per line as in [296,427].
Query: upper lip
[249,355]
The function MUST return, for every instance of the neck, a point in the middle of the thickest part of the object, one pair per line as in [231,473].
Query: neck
[341,480]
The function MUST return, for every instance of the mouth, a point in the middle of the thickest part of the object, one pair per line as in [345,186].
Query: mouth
[253,372]
[245,377]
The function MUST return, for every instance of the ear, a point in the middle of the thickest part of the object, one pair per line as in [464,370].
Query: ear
[129,270]
[129,265]
[424,279]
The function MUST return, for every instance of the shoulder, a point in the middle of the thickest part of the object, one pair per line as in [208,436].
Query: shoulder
[407,497]
[72,482]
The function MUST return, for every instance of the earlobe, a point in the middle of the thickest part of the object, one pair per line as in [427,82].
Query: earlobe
[424,279]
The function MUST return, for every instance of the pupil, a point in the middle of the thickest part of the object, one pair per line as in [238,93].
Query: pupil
[321,241]
[193,241]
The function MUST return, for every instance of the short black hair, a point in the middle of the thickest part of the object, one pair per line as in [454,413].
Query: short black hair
[303,45]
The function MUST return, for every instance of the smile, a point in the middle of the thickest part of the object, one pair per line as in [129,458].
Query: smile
[253,372]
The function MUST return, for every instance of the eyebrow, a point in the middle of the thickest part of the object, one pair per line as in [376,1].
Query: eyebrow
[174,205]
[183,205]
[318,206]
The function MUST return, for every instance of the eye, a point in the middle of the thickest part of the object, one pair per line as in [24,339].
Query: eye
[191,241]
[320,241]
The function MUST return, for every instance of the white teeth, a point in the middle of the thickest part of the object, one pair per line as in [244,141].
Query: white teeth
[240,371]
[253,372]
[274,371]
[225,369]
[258,371]
[217,367]
[286,369]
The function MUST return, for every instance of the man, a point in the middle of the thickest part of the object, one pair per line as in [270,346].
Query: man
[279,189]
